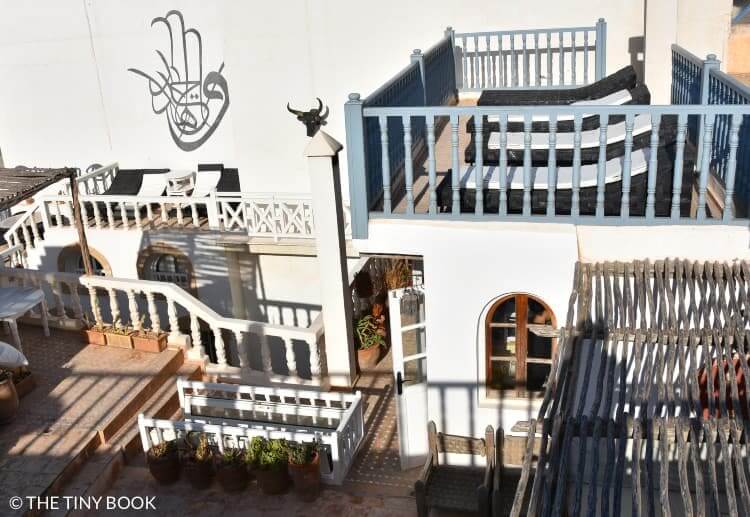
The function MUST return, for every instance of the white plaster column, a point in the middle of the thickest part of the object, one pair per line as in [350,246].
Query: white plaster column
[323,165]
[236,284]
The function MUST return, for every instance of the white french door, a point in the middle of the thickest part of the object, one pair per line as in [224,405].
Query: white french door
[409,352]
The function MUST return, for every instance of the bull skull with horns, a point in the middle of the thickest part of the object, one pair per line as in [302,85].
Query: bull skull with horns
[312,119]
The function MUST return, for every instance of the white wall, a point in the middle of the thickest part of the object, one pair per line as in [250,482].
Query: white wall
[68,99]
[277,289]
[469,264]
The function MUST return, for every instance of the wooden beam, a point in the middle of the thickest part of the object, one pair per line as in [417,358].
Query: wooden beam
[82,241]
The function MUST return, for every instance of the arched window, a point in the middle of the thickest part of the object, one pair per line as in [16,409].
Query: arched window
[168,268]
[164,263]
[520,340]
[70,260]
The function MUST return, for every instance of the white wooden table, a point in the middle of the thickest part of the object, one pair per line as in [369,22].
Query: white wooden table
[17,301]
[180,182]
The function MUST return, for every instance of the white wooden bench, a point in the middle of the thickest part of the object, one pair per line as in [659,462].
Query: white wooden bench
[231,414]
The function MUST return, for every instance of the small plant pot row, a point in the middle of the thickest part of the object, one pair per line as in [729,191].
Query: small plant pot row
[144,341]
[274,464]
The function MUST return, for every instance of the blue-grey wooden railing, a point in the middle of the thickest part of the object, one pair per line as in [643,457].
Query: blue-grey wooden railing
[440,72]
[696,81]
[534,58]
[647,176]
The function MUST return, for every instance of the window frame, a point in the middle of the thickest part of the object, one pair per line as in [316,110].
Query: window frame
[521,358]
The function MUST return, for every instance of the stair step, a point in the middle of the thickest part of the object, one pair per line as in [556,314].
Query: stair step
[103,466]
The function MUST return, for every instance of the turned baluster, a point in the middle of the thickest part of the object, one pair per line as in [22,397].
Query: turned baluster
[110,215]
[114,308]
[95,308]
[77,306]
[149,212]
[97,215]
[124,216]
[135,317]
[241,350]
[221,355]
[35,231]
[84,214]
[174,324]
[153,313]
[137,215]
[265,355]
[291,362]
[26,235]
[179,214]
[195,334]
[164,212]
[57,293]
[314,357]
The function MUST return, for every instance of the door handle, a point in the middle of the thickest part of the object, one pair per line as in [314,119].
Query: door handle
[400,380]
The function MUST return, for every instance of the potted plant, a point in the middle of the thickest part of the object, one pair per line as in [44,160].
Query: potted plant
[147,341]
[23,381]
[120,336]
[197,462]
[163,462]
[370,339]
[231,470]
[94,333]
[8,397]
[304,469]
[253,451]
[272,473]
[398,274]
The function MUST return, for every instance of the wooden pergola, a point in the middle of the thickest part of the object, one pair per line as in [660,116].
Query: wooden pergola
[21,183]
[638,415]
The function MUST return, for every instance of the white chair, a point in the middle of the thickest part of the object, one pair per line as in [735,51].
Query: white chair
[205,183]
[153,185]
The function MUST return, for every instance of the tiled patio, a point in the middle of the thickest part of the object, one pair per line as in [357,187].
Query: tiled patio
[81,396]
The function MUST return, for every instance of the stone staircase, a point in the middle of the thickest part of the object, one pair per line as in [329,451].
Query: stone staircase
[117,441]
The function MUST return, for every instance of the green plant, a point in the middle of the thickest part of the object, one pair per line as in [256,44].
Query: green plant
[254,449]
[303,453]
[232,456]
[163,449]
[200,451]
[369,332]
[275,455]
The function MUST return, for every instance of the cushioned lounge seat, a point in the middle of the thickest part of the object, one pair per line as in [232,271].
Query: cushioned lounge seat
[564,143]
[640,95]
[588,186]
[623,79]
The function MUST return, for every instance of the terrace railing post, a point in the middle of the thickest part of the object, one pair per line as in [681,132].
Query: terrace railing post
[709,64]
[355,157]
[450,33]
[601,49]
[418,57]
[323,165]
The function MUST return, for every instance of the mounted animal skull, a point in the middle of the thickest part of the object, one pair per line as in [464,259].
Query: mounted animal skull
[312,119]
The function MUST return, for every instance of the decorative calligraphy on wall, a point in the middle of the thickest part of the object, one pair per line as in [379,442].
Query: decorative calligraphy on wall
[194,104]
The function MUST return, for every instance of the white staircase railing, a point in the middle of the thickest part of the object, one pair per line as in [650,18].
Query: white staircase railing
[232,348]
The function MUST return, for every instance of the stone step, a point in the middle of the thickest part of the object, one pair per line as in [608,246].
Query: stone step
[166,365]
[107,461]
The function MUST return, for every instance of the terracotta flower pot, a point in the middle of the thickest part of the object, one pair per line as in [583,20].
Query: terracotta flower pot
[95,337]
[164,469]
[368,357]
[199,473]
[233,477]
[273,481]
[712,388]
[24,384]
[149,342]
[306,479]
[120,340]
[8,400]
